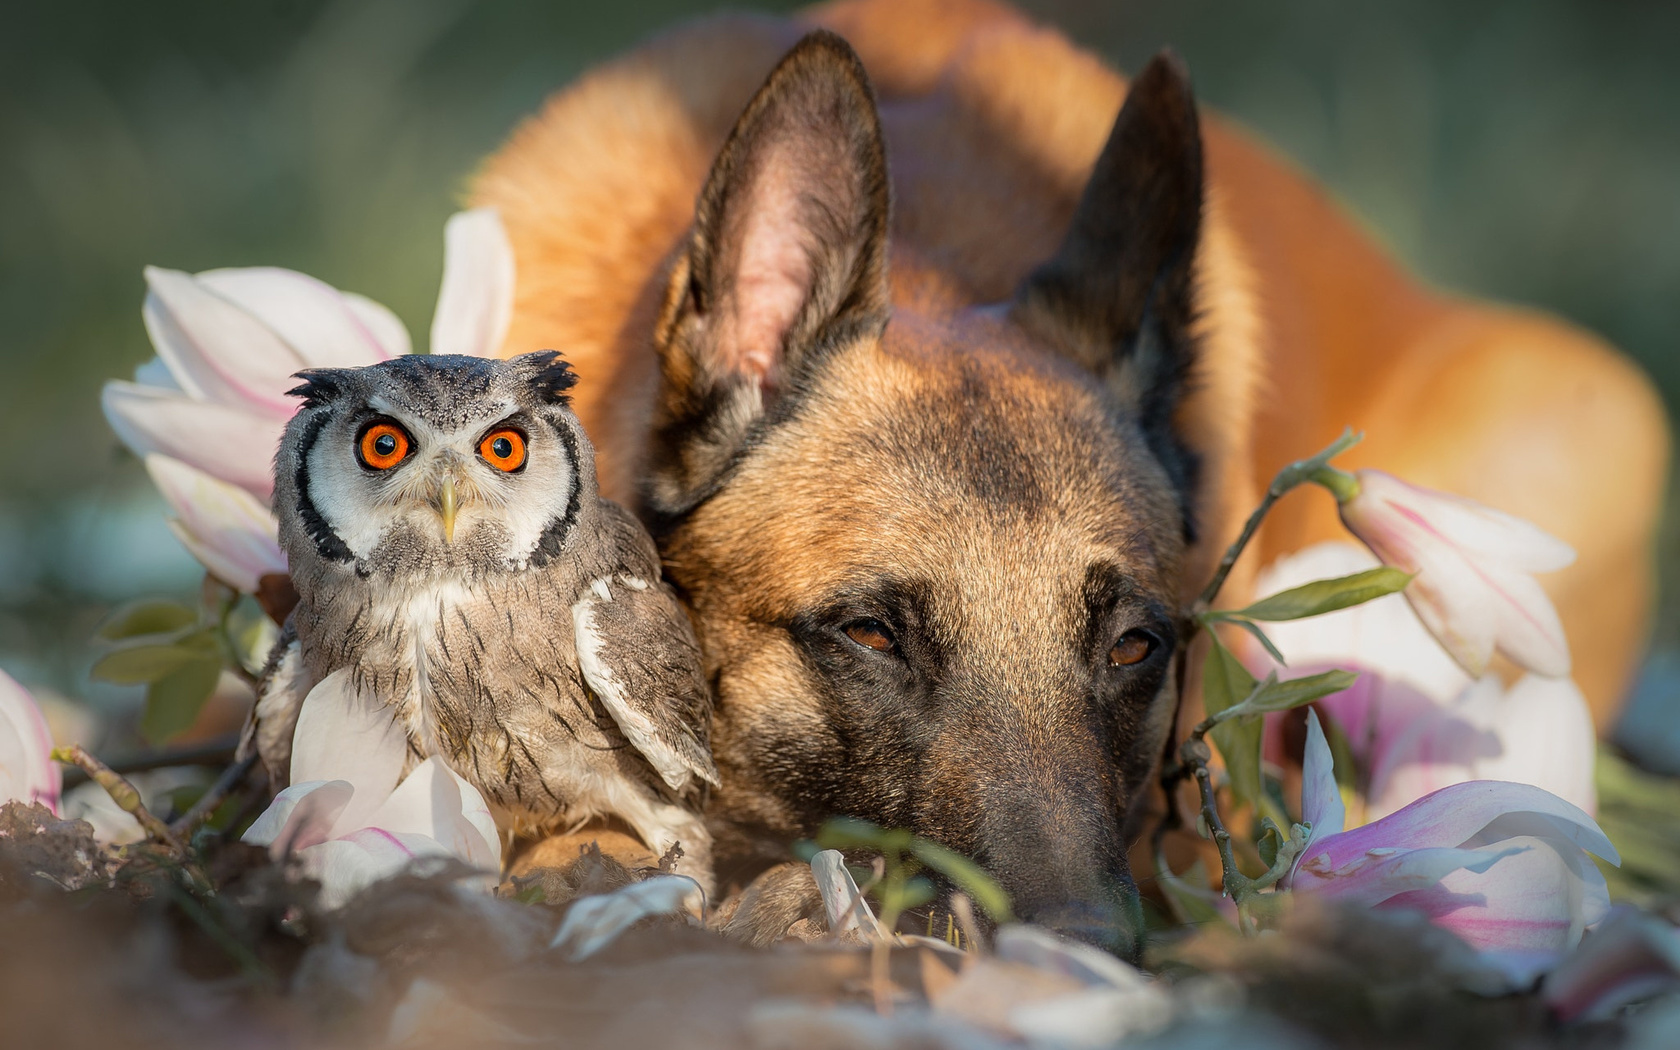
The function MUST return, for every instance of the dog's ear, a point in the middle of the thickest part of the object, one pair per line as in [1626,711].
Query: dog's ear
[1119,295]
[787,260]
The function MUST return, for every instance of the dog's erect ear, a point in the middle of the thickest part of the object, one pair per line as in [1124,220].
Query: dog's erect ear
[787,259]
[1119,294]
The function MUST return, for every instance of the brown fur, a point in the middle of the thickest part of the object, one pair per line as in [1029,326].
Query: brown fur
[845,457]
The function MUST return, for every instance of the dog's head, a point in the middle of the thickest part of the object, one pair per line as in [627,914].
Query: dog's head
[934,556]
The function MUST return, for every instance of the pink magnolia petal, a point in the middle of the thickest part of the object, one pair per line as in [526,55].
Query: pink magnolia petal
[1442,746]
[1452,599]
[342,736]
[1526,625]
[475,302]
[301,816]
[323,326]
[217,350]
[1524,911]
[27,771]
[1474,528]
[1321,799]
[225,528]
[1371,877]
[1454,816]
[1632,956]
[225,442]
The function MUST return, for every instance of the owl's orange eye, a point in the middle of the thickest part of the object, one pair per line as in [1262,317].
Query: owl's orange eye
[383,445]
[504,449]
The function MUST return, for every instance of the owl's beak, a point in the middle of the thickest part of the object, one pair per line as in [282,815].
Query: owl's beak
[446,507]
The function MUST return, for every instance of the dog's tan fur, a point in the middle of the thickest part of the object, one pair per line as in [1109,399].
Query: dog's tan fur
[1310,327]
[992,126]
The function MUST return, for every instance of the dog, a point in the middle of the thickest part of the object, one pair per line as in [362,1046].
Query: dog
[943,388]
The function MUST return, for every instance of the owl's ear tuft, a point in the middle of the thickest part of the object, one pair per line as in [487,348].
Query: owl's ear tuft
[550,376]
[319,385]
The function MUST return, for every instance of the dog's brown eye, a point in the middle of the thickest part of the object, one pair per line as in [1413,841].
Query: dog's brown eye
[871,634]
[1132,647]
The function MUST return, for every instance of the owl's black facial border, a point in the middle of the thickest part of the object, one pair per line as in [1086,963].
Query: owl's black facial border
[553,539]
[327,541]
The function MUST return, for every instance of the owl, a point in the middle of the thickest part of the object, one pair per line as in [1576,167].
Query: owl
[455,564]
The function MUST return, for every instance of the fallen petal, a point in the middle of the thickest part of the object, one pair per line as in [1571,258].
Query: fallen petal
[843,902]
[594,922]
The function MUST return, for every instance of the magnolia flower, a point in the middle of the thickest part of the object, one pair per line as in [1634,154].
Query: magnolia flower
[229,343]
[1413,719]
[1630,957]
[1473,587]
[351,817]
[27,771]
[1504,866]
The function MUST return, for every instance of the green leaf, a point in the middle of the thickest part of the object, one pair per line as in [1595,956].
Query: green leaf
[1225,683]
[1294,692]
[174,700]
[144,662]
[1270,839]
[966,876]
[1260,636]
[140,619]
[1322,596]
[851,833]
[1190,896]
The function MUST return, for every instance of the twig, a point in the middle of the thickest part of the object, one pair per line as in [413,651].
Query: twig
[1297,473]
[124,794]
[216,752]
[231,778]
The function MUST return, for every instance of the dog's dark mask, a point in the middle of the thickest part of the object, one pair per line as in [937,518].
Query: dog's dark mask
[934,555]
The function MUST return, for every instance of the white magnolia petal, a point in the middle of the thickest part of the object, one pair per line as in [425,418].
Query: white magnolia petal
[1546,731]
[1382,637]
[387,330]
[225,528]
[301,816]
[1321,799]
[217,350]
[1441,746]
[27,771]
[349,864]
[436,802]
[1473,527]
[594,922]
[155,373]
[475,302]
[1526,625]
[224,441]
[342,736]
[318,322]
[1454,604]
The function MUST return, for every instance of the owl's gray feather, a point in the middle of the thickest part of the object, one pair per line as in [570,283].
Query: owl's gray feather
[474,640]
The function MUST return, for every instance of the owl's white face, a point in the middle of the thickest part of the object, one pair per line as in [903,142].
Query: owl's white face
[450,471]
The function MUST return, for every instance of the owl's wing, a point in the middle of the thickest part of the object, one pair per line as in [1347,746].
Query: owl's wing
[637,652]
[280,692]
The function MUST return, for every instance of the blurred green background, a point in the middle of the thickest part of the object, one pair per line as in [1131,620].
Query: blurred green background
[1522,149]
